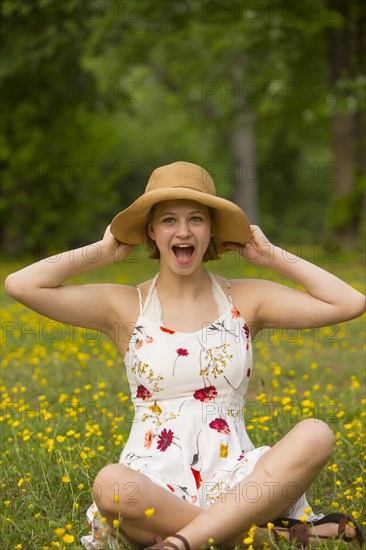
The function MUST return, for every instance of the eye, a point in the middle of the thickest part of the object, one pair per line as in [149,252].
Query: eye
[168,220]
[196,219]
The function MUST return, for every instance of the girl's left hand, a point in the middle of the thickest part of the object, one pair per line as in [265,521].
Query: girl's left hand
[258,251]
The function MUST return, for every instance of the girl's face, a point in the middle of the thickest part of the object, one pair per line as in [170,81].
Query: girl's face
[181,230]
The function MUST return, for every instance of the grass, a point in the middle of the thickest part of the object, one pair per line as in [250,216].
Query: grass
[66,410]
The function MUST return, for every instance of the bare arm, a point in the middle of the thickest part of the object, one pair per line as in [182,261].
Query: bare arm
[39,285]
[326,300]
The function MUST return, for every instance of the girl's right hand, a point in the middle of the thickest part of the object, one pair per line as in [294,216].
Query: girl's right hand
[119,250]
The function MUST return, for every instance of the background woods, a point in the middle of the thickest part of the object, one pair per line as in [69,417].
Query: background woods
[268,96]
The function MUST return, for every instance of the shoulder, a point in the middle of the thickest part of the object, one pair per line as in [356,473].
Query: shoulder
[248,295]
[125,301]
[240,286]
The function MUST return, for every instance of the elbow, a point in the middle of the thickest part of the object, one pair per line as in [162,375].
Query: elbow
[13,286]
[362,304]
[357,305]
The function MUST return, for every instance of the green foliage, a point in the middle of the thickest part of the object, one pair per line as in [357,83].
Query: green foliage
[66,411]
[97,94]
[348,209]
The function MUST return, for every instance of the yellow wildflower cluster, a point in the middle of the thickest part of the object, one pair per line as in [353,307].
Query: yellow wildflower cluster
[65,413]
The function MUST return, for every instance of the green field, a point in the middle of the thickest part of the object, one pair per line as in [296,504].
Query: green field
[66,410]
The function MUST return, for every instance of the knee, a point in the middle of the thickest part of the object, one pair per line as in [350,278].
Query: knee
[108,487]
[318,439]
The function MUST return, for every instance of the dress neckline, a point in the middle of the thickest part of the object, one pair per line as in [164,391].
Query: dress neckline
[152,310]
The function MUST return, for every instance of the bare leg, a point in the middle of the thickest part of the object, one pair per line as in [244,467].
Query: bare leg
[293,463]
[135,492]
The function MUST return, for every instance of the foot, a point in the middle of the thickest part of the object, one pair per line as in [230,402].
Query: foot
[316,533]
[311,534]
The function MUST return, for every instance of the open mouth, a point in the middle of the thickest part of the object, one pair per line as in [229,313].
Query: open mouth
[183,252]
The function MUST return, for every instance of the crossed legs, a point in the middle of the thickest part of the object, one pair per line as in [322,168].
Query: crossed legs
[294,462]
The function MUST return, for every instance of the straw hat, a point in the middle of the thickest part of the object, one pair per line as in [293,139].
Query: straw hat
[181,180]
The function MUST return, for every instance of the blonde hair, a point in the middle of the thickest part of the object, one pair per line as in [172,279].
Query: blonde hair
[154,253]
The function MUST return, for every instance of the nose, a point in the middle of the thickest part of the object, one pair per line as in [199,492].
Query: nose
[183,228]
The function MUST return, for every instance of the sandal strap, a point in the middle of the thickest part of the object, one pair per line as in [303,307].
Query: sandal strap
[182,539]
[342,520]
[299,533]
[286,522]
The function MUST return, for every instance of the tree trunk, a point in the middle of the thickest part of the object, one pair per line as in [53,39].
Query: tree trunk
[244,152]
[344,127]
[243,144]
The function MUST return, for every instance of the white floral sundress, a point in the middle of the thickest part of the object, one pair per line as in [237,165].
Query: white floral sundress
[189,392]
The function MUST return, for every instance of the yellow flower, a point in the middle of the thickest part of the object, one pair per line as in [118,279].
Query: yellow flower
[116,498]
[307,510]
[223,450]
[116,523]
[60,531]
[68,538]
[60,438]
[149,512]
[65,479]
[155,408]
[270,525]
[304,519]
[211,540]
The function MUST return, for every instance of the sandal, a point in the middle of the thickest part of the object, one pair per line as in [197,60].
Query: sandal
[160,543]
[300,531]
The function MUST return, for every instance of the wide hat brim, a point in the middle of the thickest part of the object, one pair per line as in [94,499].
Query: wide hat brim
[231,224]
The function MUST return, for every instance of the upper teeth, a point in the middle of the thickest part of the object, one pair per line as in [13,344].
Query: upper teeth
[183,245]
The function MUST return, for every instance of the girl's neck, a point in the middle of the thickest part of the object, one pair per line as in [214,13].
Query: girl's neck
[182,286]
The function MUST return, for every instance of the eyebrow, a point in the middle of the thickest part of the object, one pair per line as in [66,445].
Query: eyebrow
[169,213]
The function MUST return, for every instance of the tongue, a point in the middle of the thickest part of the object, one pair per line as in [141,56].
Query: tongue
[183,255]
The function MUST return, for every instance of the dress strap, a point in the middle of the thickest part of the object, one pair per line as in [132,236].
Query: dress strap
[221,299]
[151,308]
[140,298]
[229,292]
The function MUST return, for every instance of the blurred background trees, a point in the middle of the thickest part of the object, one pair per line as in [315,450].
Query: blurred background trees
[268,96]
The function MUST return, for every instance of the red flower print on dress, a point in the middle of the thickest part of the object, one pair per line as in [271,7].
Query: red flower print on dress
[247,334]
[235,313]
[165,439]
[167,330]
[249,371]
[170,487]
[149,436]
[220,425]
[197,477]
[143,393]
[242,455]
[205,394]
[181,352]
